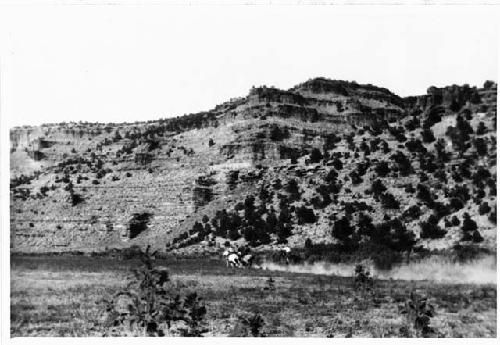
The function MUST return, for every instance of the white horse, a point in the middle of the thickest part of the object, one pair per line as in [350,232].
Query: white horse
[231,259]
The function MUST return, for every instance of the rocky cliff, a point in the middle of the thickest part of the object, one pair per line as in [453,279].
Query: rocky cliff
[88,187]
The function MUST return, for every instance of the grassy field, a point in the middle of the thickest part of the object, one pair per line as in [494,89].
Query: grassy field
[60,296]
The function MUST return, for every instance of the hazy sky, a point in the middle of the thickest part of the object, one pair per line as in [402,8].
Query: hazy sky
[129,63]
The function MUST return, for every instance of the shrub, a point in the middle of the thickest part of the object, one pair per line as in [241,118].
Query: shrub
[463,125]
[419,311]
[481,128]
[324,191]
[427,162]
[76,199]
[459,192]
[305,215]
[480,176]
[480,194]
[197,228]
[283,230]
[455,204]
[193,312]
[403,163]
[377,189]
[488,84]
[316,156]
[337,164]
[44,190]
[434,116]
[308,243]
[415,145]
[148,306]
[365,148]
[493,216]
[468,252]
[132,252]
[441,210]
[481,146]
[251,324]
[382,169]
[469,230]
[233,233]
[393,235]
[362,278]
[139,223]
[385,258]
[484,208]
[424,194]
[430,229]
[330,140]
[428,135]
[278,134]
[331,176]
[202,195]
[460,134]
[476,237]
[468,223]
[232,178]
[355,178]
[256,234]
[342,230]
[292,188]
[398,133]
[409,188]
[389,201]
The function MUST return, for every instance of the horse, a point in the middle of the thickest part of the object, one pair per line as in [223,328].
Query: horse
[232,259]
[247,260]
[285,252]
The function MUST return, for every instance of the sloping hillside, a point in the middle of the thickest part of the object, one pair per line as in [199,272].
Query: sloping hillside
[329,161]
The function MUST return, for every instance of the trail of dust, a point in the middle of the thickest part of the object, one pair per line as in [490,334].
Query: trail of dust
[437,269]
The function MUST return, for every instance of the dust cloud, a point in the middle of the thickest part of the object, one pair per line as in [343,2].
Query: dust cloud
[437,269]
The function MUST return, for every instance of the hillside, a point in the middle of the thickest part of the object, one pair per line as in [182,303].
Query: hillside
[326,161]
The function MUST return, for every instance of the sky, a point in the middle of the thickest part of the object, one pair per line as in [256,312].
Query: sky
[135,63]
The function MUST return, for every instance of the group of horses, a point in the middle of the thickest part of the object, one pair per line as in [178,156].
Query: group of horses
[243,258]
[237,258]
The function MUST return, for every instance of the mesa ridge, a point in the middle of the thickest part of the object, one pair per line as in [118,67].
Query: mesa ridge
[91,187]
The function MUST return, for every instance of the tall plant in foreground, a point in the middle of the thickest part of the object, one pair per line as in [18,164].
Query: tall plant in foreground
[149,305]
[419,312]
[254,324]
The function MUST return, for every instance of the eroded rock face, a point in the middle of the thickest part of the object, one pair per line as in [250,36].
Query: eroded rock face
[453,97]
[94,179]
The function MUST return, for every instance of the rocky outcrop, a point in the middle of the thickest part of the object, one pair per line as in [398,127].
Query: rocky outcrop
[453,98]
[112,185]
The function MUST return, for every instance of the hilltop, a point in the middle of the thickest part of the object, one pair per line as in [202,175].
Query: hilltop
[325,163]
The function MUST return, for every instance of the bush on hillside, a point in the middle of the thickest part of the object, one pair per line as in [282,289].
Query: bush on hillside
[430,229]
[305,215]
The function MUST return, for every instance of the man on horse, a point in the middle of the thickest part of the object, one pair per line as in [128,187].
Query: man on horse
[232,258]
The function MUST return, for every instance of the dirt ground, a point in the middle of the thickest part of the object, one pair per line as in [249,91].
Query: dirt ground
[60,296]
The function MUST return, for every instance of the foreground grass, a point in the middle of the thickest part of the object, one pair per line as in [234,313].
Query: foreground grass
[60,296]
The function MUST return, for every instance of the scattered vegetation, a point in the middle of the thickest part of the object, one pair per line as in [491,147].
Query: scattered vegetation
[149,305]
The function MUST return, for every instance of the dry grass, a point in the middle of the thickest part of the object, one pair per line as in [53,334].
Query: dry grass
[59,296]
